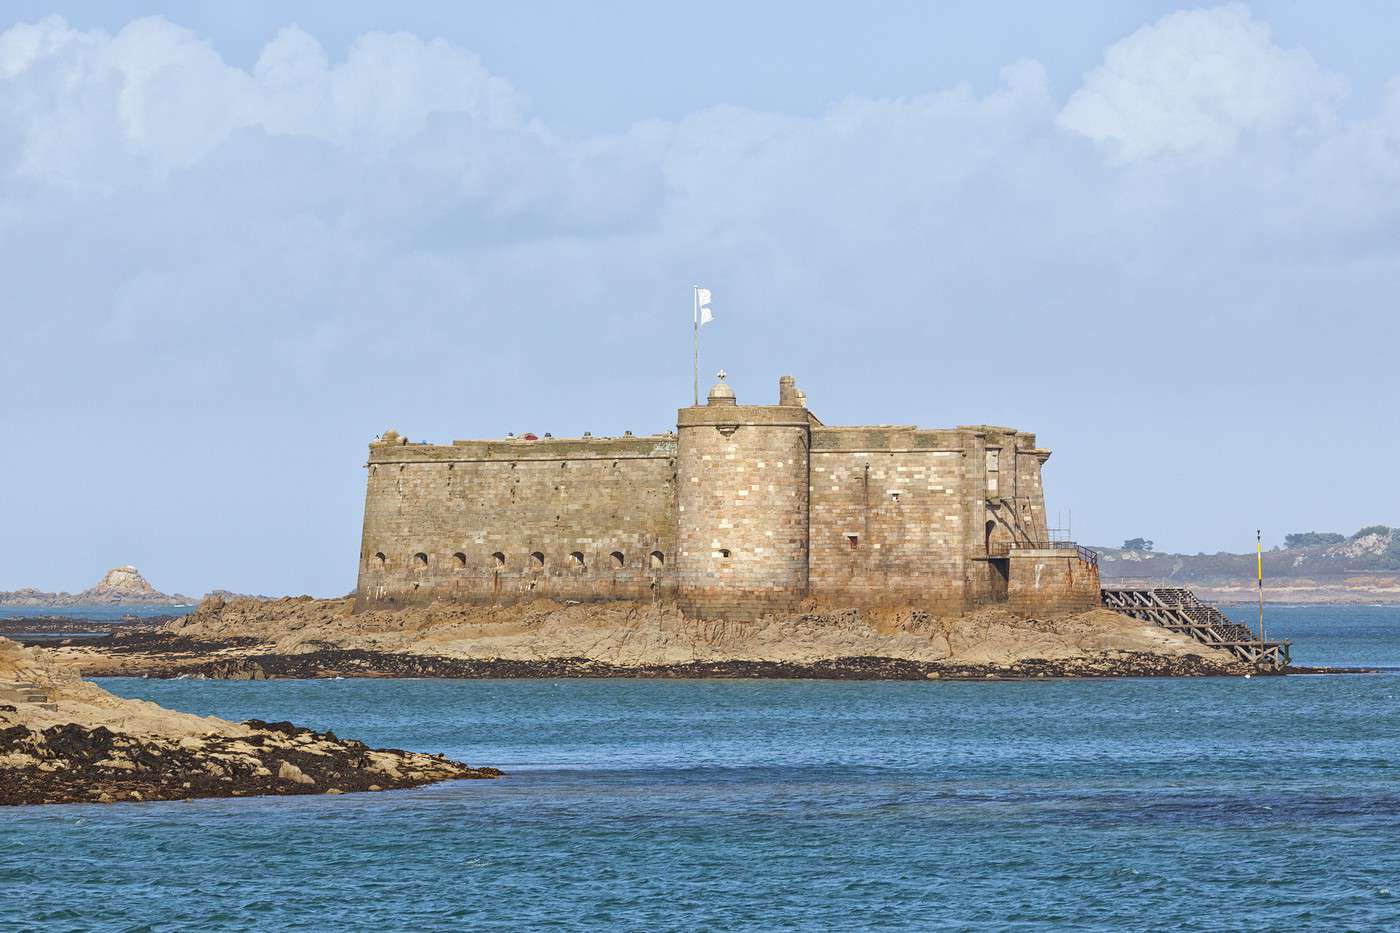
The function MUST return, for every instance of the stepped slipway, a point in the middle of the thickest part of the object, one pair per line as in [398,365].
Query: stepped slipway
[1178,610]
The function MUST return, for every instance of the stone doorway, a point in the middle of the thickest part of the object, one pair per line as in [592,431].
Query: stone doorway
[999,571]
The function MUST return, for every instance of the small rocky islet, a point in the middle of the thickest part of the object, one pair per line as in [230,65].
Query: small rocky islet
[65,740]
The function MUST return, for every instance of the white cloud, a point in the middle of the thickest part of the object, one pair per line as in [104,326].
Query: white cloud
[100,111]
[1193,83]
[333,246]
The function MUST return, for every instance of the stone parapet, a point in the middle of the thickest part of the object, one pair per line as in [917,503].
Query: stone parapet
[1046,580]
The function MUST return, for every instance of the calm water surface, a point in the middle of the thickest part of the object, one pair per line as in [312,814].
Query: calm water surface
[1216,804]
[107,613]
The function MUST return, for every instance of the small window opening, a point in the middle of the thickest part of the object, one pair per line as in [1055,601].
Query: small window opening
[420,560]
[460,558]
[536,561]
[853,541]
[500,560]
[379,556]
[618,561]
[658,560]
[722,552]
[576,561]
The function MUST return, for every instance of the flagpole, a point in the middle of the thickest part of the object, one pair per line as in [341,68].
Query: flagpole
[695,342]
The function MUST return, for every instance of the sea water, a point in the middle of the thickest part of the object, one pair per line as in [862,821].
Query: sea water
[1203,804]
[103,613]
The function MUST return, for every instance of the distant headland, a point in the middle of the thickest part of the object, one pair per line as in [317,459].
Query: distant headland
[1311,567]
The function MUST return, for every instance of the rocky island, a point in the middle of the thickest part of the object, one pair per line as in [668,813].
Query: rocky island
[63,740]
[305,637]
[120,586]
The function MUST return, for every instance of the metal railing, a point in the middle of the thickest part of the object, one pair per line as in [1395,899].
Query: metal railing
[1004,549]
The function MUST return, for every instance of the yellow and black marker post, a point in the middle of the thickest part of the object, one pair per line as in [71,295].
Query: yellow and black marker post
[1259,554]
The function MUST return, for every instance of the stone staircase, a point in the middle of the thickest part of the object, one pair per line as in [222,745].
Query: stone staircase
[1178,609]
[18,691]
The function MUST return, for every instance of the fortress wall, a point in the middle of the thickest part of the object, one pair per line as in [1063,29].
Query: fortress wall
[459,506]
[1030,488]
[742,510]
[747,509]
[1003,481]
[1052,581]
[899,493]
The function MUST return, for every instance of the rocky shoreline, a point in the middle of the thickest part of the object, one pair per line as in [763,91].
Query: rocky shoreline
[307,638]
[168,655]
[65,740]
[72,763]
[361,663]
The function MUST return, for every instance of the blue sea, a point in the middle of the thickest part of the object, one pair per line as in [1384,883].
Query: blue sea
[1212,804]
[107,613]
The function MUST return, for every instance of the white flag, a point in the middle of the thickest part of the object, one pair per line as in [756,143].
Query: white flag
[702,301]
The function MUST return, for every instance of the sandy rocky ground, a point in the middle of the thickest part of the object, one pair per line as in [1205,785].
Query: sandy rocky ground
[305,637]
[65,740]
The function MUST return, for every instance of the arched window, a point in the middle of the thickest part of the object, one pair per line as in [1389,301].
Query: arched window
[722,552]
[576,561]
[500,560]
[461,559]
[536,561]
[618,561]
[380,559]
[658,560]
[420,561]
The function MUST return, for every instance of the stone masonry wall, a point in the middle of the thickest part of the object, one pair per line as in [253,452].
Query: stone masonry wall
[888,523]
[1052,581]
[586,519]
[746,509]
[742,510]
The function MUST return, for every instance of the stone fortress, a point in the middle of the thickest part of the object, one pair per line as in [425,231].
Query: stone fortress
[744,510]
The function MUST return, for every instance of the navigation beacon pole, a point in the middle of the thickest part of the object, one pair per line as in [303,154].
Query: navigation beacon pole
[1259,552]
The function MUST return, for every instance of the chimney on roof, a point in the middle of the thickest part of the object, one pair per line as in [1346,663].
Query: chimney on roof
[789,393]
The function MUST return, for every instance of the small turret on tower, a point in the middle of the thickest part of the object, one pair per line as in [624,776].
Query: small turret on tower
[721,393]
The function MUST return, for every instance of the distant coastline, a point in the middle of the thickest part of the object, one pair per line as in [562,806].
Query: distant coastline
[121,591]
[1382,592]
[1317,568]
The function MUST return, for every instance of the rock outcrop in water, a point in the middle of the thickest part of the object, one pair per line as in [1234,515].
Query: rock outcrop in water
[118,586]
[303,637]
[63,740]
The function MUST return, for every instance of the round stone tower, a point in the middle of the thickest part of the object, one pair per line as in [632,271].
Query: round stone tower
[742,497]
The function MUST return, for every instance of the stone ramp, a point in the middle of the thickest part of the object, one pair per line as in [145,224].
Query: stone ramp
[18,691]
[1178,609]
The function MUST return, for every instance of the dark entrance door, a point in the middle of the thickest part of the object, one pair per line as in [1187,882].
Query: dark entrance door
[1001,577]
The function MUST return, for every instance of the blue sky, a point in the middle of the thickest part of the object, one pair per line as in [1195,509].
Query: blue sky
[239,240]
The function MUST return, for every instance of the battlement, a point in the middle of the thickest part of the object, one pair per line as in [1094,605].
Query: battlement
[519,448]
[743,509]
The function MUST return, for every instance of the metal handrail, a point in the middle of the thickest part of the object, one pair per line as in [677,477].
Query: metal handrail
[1087,555]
